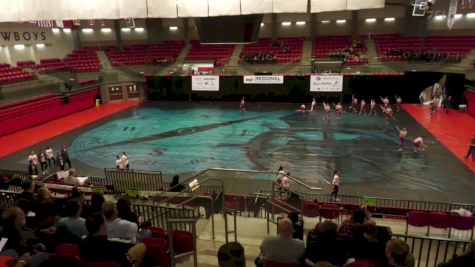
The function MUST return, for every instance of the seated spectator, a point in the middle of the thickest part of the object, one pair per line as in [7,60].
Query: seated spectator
[466,259]
[45,209]
[231,255]
[398,254]
[96,203]
[125,213]
[97,248]
[73,225]
[175,185]
[28,195]
[116,227]
[325,246]
[282,248]
[358,217]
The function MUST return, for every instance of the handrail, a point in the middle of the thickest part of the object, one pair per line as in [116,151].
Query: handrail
[212,208]
[188,190]
[171,248]
[267,213]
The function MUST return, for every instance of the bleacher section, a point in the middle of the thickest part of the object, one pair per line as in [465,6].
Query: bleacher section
[221,53]
[50,65]
[10,74]
[344,48]
[25,114]
[145,54]
[293,47]
[84,59]
[443,49]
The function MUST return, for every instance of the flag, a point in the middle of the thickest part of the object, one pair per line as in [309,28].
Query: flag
[67,24]
[45,23]
[451,14]
[59,24]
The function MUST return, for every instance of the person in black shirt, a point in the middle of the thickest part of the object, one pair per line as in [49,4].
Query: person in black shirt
[175,185]
[124,211]
[471,149]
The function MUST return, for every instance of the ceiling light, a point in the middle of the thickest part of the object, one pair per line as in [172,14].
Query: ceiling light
[286,23]
[262,24]
[370,20]
[55,30]
[125,29]
[458,16]
[339,21]
[139,29]
[40,45]
[389,19]
[106,30]
[87,30]
[173,28]
[470,15]
[439,17]
[19,46]
[300,22]
[325,21]
[66,30]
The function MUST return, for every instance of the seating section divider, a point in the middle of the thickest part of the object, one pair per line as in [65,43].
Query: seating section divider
[28,114]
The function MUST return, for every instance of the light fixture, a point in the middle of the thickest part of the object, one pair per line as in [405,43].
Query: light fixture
[300,22]
[173,28]
[19,46]
[55,30]
[66,30]
[340,21]
[458,16]
[389,19]
[106,30]
[139,29]
[370,20]
[87,30]
[125,29]
[325,21]
[40,45]
[439,17]
[470,15]
[262,24]
[286,23]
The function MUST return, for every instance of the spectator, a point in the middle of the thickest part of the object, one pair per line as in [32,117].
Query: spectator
[175,185]
[45,209]
[33,163]
[97,248]
[298,229]
[124,211]
[471,149]
[117,227]
[96,203]
[283,248]
[466,259]
[73,225]
[325,246]
[398,254]
[231,255]
[65,156]
[358,217]
[27,196]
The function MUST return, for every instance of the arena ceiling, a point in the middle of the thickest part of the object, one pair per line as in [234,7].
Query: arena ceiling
[30,10]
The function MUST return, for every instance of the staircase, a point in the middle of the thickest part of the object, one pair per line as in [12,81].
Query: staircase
[105,63]
[234,61]
[307,53]
[468,59]
[372,55]
[181,57]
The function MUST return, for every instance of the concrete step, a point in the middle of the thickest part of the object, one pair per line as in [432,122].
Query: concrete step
[307,53]
[235,56]
[372,55]
[105,63]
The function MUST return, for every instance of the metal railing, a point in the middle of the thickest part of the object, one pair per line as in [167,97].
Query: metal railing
[123,180]
[194,252]
[233,213]
[430,251]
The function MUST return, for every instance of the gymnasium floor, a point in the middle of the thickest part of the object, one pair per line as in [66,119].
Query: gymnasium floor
[185,138]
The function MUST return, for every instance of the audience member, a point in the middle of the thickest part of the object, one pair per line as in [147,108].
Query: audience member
[358,217]
[231,255]
[466,259]
[298,229]
[398,254]
[96,247]
[73,224]
[27,197]
[259,58]
[117,227]
[45,209]
[124,211]
[283,248]
[96,203]
[175,185]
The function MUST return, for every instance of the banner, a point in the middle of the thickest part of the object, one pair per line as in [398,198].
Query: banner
[326,83]
[451,14]
[204,83]
[264,79]
[26,36]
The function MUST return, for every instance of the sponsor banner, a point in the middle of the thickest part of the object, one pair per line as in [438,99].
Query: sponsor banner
[264,79]
[27,36]
[326,83]
[205,83]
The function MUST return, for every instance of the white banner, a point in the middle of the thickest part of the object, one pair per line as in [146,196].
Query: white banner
[326,83]
[224,8]
[192,8]
[204,83]
[451,14]
[162,9]
[256,7]
[287,6]
[263,79]
[364,4]
[26,36]
[325,5]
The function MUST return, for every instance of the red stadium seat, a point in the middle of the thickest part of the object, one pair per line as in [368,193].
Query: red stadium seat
[68,249]
[269,263]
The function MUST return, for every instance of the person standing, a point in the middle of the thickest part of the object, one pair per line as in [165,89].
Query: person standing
[60,161]
[447,104]
[372,106]
[363,107]
[402,137]
[125,160]
[65,155]
[418,144]
[398,103]
[43,163]
[338,109]
[336,182]
[242,106]
[50,156]
[33,163]
[119,164]
[327,110]
[313,106]
[471,149]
